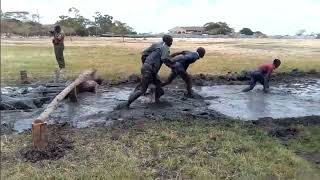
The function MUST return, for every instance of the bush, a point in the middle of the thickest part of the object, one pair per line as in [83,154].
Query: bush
[246,31]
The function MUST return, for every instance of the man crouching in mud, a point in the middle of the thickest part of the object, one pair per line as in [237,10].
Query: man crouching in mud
[180,66]
[262,75]
[152,62]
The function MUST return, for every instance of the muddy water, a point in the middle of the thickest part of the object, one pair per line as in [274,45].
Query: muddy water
[91,109]
[293,100]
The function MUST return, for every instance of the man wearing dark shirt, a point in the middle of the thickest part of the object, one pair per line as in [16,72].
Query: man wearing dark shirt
[180,66]
[262,75]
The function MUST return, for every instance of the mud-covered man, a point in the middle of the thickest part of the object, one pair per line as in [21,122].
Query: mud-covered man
[262,75]
[152,59]
[181,61]
[58,44]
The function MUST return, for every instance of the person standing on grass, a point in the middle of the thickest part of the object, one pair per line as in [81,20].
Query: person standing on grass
[58,45]
[262,75]
[149,72]
[180,66]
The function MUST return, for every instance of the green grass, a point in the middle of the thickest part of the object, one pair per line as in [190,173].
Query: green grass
[308,139]
[169,149]
[116,61]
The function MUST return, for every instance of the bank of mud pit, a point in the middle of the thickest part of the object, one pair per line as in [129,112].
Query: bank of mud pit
[292,95]
[59,144]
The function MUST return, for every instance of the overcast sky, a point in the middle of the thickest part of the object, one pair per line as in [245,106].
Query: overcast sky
[269,16]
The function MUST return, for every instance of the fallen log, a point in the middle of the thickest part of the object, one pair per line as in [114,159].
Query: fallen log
[86,75]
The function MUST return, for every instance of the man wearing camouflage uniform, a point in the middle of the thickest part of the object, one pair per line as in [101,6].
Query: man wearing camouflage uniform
[58,44]
[152,59]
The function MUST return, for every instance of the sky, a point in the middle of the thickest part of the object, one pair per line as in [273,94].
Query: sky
[273,17]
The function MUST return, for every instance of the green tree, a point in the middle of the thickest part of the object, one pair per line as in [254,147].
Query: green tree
[102,23]
[246,31]
[122,29]
[78,23]
[300,32]
[218,28]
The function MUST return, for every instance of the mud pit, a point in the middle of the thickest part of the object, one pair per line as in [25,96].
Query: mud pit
[292,100]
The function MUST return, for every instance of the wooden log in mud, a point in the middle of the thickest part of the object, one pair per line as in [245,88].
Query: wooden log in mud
[86,75]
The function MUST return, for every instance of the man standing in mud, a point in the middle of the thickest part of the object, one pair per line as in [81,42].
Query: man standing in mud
[152,59]
[262,75]
[180,66]
[58,45]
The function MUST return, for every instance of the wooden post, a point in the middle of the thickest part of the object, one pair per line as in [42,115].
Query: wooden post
[24,76]
[39,134]
[86,75]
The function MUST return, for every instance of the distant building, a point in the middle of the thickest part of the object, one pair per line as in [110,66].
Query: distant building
[187,30]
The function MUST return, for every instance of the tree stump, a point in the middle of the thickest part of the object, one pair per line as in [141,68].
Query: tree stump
[39,134]
[24,77]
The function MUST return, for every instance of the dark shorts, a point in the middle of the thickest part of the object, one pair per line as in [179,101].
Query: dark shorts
[177,69]
[257,76]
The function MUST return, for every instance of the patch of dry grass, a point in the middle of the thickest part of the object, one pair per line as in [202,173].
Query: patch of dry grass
[117,60]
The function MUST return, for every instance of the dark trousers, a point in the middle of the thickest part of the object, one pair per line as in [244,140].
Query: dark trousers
[257,76]
[58,51]
[178,70]
[148,76]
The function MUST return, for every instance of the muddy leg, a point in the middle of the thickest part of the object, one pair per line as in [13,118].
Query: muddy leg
[252,83]
[187,79]
[265,83]
[171,77]
[159,91]
[251,86]
[139,91]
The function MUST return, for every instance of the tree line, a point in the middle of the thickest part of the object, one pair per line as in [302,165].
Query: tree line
[27,24]
[222,28]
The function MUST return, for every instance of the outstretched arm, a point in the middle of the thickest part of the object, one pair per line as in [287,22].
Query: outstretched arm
[177,53]
[167,62]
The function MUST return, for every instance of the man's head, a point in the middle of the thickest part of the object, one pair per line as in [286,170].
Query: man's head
[57,28]
[167,39]
[276,63]
[201,51]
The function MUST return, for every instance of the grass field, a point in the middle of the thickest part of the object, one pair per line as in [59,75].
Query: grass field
[147,149]
[169,149]
[117,60]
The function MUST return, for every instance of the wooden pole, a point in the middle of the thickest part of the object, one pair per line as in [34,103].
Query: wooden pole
[39,133]
[24,76]
[87,75]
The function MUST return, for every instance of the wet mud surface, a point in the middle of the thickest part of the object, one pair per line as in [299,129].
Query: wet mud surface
[219,99]
[290,100]
[56,149]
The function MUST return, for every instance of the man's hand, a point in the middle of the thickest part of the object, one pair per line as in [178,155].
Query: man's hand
[178,53]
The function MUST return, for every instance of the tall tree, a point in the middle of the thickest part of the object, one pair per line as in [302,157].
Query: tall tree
[218,28]
[246,31]
[122,29]
[102,23]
